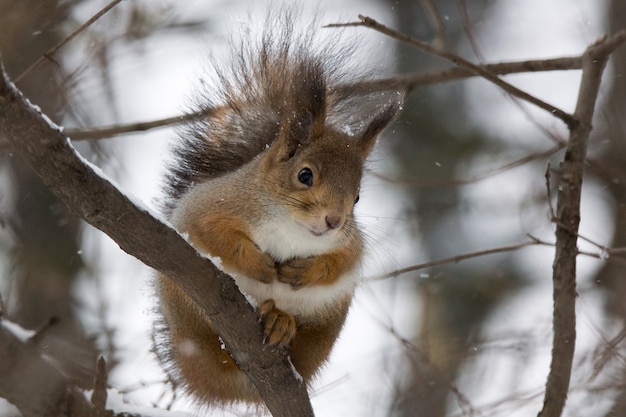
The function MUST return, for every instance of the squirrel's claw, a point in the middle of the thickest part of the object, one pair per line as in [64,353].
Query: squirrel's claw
[279,326]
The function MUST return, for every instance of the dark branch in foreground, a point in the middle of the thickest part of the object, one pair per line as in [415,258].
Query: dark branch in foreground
[137,232]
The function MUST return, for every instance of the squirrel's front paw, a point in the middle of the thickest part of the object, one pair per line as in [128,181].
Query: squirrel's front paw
[279,326]
[300,272]
[263,270]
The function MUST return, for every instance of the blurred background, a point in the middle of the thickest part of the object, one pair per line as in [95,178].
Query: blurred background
[461,171]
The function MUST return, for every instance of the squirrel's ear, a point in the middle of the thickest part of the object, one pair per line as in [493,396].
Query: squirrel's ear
[367,138]
[305,117]
[295,130]
[315,98]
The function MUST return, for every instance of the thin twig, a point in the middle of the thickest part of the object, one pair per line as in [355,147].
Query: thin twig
[54,49]
[455,259]
[469,31]
[434,17]
[475,44]
[434,371]
[116,130]
[410,82]
[466,181]
[567,118]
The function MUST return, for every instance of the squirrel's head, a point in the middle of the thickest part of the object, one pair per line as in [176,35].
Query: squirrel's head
[315,168]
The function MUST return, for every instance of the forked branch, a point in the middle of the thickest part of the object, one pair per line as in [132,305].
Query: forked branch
[568,219]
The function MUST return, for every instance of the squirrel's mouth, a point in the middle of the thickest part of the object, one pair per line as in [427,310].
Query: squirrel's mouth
[316,230]
[316,233]
[321,233]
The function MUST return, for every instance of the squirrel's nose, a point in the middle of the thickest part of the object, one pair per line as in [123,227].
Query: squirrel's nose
[334,221]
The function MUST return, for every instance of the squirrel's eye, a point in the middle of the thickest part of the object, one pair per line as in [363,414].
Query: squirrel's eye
[356,200]
[305,176]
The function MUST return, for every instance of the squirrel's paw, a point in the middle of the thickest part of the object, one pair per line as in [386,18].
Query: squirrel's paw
[279,326]
[263,270]
[300,272]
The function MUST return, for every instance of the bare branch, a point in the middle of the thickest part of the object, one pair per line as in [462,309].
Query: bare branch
[101,204]
[477,69]
[121,129]
[469,30]
[434,17]
[408,82]
[465,181]
[568,215]
[423,362]
[54,49]
[454,259]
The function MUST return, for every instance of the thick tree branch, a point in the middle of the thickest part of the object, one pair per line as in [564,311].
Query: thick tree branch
[568,215]
[137,232]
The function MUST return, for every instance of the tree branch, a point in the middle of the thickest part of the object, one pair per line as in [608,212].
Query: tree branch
[96,200]
[458,60]
[111,131]
[408,82]
[458,258]
[568,215]
[54,49]
[457,182]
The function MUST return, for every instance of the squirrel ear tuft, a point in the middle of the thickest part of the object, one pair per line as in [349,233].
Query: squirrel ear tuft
[304,115]
[314,96]
[367,138]
[295,130]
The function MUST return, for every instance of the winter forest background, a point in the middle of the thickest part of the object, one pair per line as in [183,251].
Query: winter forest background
[461,172]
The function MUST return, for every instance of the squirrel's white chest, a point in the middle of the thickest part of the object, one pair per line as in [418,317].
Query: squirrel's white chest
[307,301]
[284,240]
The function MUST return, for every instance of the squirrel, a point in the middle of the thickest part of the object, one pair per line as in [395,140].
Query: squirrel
[267,183]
